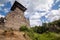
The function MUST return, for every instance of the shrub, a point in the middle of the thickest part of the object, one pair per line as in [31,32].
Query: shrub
[44,36]
[39,33]
[39,29]
[23,28]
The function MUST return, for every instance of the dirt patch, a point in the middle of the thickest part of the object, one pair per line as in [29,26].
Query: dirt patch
[13,35]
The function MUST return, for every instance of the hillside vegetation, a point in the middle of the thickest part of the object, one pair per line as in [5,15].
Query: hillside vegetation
[49,31]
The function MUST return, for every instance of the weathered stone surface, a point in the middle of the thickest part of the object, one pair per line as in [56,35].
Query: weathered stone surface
[15,19]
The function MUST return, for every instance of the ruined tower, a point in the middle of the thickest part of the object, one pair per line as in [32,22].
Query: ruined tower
[15,19]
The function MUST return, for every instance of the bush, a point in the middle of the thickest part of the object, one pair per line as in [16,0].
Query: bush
[39,29]
[44,36]
[23,28]
[39,33]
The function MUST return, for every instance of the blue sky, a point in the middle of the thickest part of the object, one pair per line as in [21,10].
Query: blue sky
[38,11]
[5,8]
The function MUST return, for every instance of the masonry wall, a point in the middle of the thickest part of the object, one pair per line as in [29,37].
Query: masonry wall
[15,19]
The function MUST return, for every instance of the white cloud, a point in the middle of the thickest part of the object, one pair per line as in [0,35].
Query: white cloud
[36,15]
[35,5]
[55,18]
[53,15]
[1,4]
[6,10]
[35,20]
[56,12]
[35,23]
[2,16]
[44,6]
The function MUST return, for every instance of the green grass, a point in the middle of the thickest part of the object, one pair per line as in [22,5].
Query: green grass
[44,36]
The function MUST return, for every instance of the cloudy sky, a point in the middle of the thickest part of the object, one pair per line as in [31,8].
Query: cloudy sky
[38,11]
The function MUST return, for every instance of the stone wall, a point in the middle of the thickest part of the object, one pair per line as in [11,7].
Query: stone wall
[15,19]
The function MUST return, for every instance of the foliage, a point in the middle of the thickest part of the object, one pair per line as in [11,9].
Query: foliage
[44,36]
[40,29]
[43,32]
[23,28]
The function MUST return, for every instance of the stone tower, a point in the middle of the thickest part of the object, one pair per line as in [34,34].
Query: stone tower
[15,19]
